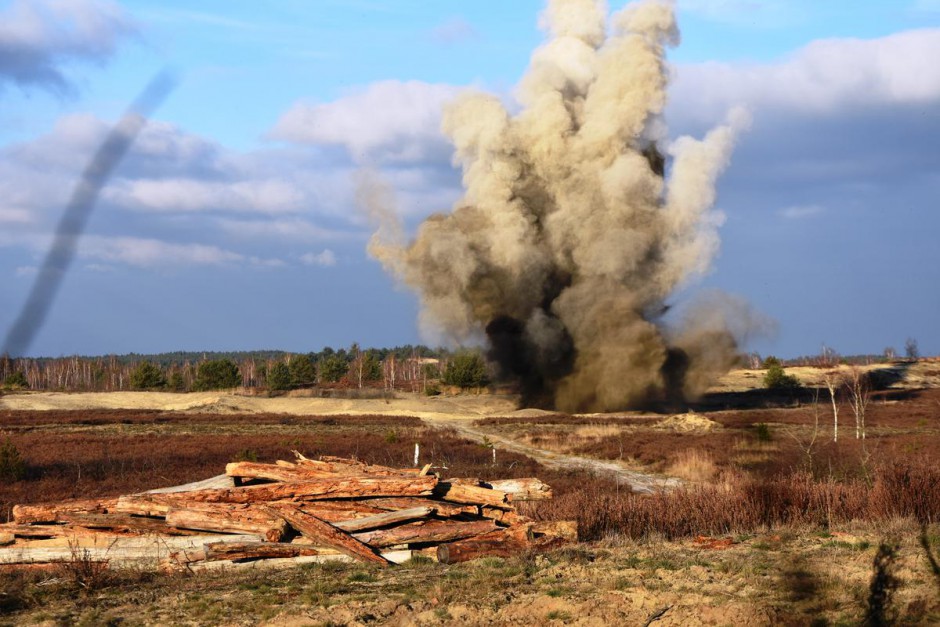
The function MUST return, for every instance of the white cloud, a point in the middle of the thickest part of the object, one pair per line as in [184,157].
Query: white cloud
[385,122]
[153,253]
[453,31]
[182,195]
[326,258]
[825,76]
[280,229]
[38,36]
[797,212]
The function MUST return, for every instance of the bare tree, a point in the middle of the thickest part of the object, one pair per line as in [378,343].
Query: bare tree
[858,384]
[910,349]
[833,381]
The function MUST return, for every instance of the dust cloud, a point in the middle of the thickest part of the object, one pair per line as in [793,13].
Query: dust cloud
[579,220]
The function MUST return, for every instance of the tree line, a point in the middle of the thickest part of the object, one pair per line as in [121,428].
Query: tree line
[415,368]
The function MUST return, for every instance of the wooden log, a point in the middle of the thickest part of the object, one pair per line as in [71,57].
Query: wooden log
[45,531]
[6,538]
[225,518]
[212,483]
[494,544]
[153,504]
[315,489]
[424,532]
[443,508]
[58,512]
[273,472]
[342,465]
[256,550]
[394,557]
[323,532]
[502,543]
[128,550]
[385,519]
[123,523]
[528,489]
[470,494]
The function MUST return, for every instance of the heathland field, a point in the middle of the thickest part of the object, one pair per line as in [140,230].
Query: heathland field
[742,510]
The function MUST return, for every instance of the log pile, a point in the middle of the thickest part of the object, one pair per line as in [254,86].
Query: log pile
[289,513]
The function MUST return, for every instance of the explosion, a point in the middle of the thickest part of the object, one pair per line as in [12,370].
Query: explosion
[578,222]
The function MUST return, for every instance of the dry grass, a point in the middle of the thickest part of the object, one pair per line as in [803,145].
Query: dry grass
[693,465]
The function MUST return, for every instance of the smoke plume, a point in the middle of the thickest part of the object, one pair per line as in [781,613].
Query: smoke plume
[578,222]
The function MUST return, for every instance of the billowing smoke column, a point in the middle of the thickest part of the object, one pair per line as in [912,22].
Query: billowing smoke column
[570,236]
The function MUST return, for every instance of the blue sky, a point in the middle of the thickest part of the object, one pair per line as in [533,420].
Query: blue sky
[233,225]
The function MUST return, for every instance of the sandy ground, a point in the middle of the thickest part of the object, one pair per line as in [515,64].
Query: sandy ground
[436,407]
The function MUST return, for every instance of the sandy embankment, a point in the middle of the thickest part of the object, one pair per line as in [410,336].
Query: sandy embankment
[438,407]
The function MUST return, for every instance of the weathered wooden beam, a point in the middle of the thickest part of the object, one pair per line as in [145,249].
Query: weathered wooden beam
[322,532]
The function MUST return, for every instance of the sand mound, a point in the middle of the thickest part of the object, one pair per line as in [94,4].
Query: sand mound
[529,412]
[686,423]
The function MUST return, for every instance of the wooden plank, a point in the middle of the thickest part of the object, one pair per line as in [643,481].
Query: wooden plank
[323,532]
[424,532]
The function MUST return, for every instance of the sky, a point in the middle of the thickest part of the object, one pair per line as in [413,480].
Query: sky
[232,224]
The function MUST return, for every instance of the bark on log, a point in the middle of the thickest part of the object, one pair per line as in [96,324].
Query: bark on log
[419,533]
[6,538]
[58,512]
[323,532]
[474,495]
[316,489]
[222,518]
[341,466]
[503,543]
[443,508]
[123,523]
[385,519]
[154,504]
[256,550]
[528,489]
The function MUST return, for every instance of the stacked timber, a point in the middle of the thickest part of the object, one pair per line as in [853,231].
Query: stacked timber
[288,513]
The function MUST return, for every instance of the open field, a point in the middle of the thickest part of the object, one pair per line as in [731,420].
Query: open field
[773,522]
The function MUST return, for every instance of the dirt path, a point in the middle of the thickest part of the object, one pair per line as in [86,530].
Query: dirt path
[638,481]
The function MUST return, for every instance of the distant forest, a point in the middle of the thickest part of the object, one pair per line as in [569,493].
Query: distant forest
[184,371]
[408,367]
